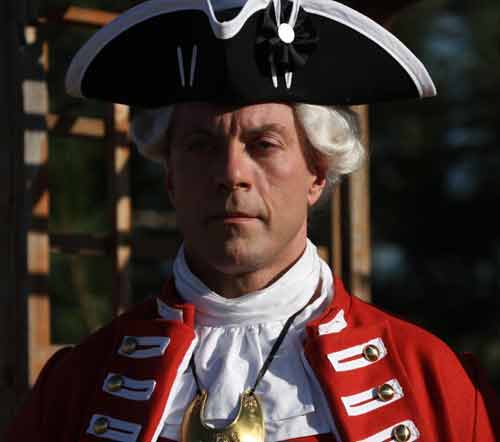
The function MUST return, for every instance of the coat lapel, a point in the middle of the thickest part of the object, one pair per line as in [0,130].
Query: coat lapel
[369,395]
[131,400]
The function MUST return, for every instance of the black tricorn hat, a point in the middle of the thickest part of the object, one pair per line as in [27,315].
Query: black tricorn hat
[163,52]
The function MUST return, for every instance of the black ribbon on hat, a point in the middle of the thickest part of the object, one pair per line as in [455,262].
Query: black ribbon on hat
[287,57]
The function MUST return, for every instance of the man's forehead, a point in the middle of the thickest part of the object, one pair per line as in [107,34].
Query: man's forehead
[191,116]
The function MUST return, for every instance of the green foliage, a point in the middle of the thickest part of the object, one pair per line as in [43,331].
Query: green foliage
[80,295]
[78,182]
[80,286]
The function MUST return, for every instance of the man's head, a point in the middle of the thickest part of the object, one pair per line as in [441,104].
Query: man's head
[242,179]
[218,51]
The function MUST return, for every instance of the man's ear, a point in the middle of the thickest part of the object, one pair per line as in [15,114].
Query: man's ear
[319,170]
[316,189]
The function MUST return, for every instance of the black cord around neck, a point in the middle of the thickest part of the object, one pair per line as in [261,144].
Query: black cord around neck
[269,359]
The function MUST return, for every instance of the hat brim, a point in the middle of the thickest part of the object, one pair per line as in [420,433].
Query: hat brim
[164,52]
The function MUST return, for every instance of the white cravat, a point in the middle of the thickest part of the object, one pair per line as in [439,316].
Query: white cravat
[235,337]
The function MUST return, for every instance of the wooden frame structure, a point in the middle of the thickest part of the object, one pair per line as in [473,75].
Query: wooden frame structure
[111,127]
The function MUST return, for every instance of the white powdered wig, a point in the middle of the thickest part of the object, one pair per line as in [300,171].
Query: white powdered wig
[333,132]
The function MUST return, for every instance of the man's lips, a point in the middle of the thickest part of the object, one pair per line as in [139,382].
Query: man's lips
[233,217]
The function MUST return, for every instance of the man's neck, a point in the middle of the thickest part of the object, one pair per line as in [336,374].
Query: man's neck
[237,284]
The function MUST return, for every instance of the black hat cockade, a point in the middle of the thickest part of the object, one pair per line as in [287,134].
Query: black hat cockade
[163,52]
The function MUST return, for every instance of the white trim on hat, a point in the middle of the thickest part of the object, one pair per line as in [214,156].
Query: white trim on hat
[379,35]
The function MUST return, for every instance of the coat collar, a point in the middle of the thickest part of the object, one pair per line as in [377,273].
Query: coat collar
[341,302]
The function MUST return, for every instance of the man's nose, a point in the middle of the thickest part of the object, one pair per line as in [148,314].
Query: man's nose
[233,170]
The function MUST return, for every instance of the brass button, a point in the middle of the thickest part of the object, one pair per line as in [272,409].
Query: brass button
[371,353]
[385,392]
[101,425]
[115,383]
[401,433]
[129,345]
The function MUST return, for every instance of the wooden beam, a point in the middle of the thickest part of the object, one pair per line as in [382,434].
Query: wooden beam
[163,247]
[70,126]
[154,219]
[79,16]
[160,248]
[80,244]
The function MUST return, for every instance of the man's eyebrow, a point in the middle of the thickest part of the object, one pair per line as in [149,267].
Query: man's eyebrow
[269,127]
[252,131]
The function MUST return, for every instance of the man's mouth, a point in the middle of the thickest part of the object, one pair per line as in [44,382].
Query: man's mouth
[237,215]
[233,217]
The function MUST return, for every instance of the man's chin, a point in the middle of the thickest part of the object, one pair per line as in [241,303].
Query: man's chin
[229,253]
[235,259]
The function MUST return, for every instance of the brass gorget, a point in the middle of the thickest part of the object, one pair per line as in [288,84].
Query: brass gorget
[248,426]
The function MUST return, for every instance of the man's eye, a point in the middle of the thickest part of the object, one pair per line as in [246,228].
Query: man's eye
[265,144]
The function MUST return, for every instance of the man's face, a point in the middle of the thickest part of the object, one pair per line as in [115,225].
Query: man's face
[241,186]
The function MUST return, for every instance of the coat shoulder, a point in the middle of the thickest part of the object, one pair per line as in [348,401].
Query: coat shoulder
[407,335]
[102,339]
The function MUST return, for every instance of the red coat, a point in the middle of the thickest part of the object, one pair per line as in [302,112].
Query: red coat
[439,397]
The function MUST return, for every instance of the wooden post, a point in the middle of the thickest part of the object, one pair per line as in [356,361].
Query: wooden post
[13,343]
[121,206]
[336,231]
[36,157]
[350,228]
[359,218]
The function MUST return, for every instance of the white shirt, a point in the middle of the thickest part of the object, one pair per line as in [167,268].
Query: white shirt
[235,337]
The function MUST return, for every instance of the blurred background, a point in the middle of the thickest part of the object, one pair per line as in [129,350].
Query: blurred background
[435,177]
[434,182]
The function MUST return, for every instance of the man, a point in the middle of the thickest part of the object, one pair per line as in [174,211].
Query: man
[253,338]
